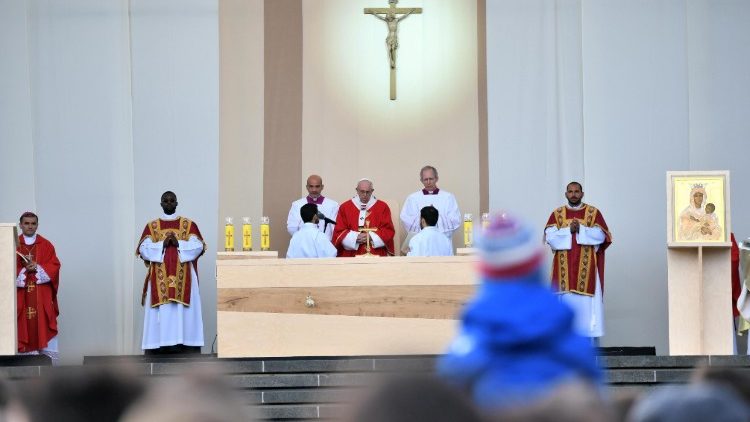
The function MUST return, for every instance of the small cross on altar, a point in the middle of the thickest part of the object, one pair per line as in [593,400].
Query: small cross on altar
[391,18]
[367,229]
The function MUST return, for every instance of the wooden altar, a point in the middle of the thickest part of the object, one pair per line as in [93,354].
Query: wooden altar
[340,306]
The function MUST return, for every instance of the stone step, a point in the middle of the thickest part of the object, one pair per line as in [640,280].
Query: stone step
[296,389]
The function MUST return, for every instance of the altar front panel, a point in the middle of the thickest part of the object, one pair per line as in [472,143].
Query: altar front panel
[340,306]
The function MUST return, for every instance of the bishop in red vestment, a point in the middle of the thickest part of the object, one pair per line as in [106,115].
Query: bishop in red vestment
[361,217]
[37,280]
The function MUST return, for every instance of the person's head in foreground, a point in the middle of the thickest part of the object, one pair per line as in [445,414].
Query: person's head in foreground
[690,403]
[517,344]
[413,398]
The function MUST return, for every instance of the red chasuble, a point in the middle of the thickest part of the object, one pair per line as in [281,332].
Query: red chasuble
[37,303]
[169,280]
[379,217]
[736,283]
[575,270]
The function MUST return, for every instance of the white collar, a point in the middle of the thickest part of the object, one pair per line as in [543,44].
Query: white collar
[359,204]
[29,240]
[578,207]
[429,228]
[166,217]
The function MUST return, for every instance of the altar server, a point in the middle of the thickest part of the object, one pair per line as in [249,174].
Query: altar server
[430,241]
[309,241]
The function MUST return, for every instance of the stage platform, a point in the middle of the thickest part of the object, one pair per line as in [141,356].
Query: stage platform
[316,388]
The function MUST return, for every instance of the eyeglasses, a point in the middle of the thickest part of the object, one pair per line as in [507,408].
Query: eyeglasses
[365,192]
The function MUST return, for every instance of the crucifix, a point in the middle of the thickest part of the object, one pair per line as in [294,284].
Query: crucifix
[367,229]
[392,15]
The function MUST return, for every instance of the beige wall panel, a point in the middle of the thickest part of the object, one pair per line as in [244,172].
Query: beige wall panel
[393,271]
[8,291]
[241,38]
[283,118]
[350,127]
[269,335]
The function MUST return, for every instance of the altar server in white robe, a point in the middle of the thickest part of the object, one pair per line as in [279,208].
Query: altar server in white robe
[326,206]
[430,241]
[445,202]
[309,241]
[170,246]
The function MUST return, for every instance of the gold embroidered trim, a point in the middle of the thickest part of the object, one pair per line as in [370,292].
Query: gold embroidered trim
[163,282]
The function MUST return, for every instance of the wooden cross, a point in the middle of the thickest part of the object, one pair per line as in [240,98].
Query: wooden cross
[391,18]
[30,313]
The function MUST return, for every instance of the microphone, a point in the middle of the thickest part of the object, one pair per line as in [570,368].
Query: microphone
[326,219]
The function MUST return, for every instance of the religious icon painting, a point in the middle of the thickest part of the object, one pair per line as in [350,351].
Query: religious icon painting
[698,213]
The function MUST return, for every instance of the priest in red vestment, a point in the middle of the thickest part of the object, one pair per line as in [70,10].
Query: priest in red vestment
[170,246]
[37,280]
[578,236]
[363,221]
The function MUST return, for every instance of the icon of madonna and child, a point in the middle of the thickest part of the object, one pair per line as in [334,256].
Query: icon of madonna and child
[699,221]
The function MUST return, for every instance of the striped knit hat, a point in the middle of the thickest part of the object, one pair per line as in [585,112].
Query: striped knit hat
[508,248]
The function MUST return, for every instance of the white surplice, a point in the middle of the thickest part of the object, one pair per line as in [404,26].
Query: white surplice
[173,323]
[310,242]
[430,242]
[449,216]
[329,208]
[589,310]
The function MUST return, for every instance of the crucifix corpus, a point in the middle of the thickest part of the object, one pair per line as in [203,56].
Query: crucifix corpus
[392,15]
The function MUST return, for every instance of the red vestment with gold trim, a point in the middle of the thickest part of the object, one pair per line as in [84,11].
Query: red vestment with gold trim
[169,280]
[37,308]
[379,217]
[575,270]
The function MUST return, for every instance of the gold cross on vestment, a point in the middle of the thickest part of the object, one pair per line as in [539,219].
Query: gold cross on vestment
[30,313]
[391,18]
[30,285]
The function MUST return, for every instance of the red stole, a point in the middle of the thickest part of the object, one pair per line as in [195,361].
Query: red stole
[37,308]
[575,270]
[379,216]
[169,280]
